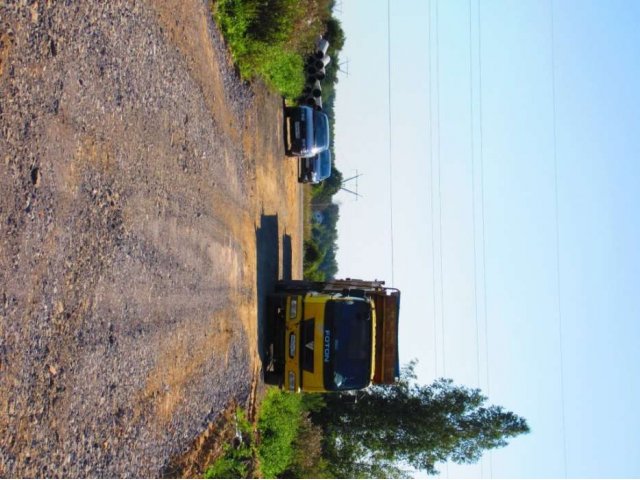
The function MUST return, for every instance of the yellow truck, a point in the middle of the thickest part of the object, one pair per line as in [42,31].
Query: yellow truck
[331,336]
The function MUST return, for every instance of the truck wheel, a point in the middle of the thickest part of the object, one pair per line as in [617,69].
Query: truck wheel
[272,378]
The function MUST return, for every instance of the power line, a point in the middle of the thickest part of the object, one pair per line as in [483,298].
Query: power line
[473,197]
[433,223]
[484,248]
[390,144]
[444,365]
[557,219]
[473,207]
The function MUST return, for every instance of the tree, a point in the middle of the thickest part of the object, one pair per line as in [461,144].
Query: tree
[413,424]
[334,34]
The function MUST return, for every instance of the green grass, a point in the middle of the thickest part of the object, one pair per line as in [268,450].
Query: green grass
[236,462]
[282,71]
[287,443]
[278,422]
[269,38]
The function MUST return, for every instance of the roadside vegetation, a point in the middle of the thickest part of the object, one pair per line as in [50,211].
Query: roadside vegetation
[237,459]
[320,246]
[368,434]
[320,249]
[269,39]
[283,442]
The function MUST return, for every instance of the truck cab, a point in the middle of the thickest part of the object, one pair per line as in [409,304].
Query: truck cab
[332,337]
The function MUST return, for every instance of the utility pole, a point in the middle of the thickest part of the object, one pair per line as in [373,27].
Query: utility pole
[352,192]
[344,64]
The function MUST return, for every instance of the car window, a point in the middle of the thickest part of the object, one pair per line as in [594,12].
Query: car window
[321,129]
[324,169]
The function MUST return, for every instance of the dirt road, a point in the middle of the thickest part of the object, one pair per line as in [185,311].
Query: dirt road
[145,208]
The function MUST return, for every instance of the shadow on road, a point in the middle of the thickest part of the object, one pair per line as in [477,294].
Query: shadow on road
[285,131]
[286,257]
[268,269]
[267,262]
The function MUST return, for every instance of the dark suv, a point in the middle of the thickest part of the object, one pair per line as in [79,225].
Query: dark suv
[315,169]
[307,131]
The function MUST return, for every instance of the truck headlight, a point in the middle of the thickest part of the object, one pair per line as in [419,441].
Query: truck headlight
[293,308]
[292,381]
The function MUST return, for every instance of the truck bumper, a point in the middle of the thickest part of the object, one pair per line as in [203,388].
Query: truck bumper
[284,312]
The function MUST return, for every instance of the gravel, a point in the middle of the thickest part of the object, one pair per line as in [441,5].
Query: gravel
[127,234]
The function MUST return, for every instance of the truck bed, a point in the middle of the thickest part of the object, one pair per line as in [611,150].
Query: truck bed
[387,362]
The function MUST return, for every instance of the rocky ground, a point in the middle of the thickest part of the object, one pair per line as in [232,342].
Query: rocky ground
[145,209]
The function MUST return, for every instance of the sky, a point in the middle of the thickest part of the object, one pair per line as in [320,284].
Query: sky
[499,147]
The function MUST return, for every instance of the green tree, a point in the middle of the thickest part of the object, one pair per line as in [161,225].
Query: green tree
[311,251]
[413,424]
[334,34]
[323,192]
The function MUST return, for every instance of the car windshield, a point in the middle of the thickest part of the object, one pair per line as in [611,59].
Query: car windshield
[321,130]
[347,345]
[324,169]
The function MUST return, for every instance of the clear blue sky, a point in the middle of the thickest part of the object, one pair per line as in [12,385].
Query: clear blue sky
[472,137]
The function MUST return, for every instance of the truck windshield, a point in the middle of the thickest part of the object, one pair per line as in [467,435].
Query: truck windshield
[347,345]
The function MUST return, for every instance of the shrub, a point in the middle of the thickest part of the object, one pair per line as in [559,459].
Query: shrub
[311,251]
[269,38]
[283,71]
[307,461]
[278,422]
[236,461]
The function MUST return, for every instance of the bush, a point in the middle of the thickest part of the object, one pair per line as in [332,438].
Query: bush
[233,464]
[288,442]
[311,251]
[278,422]
[307,461]
[236,461]
[283,71]
[269,38]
